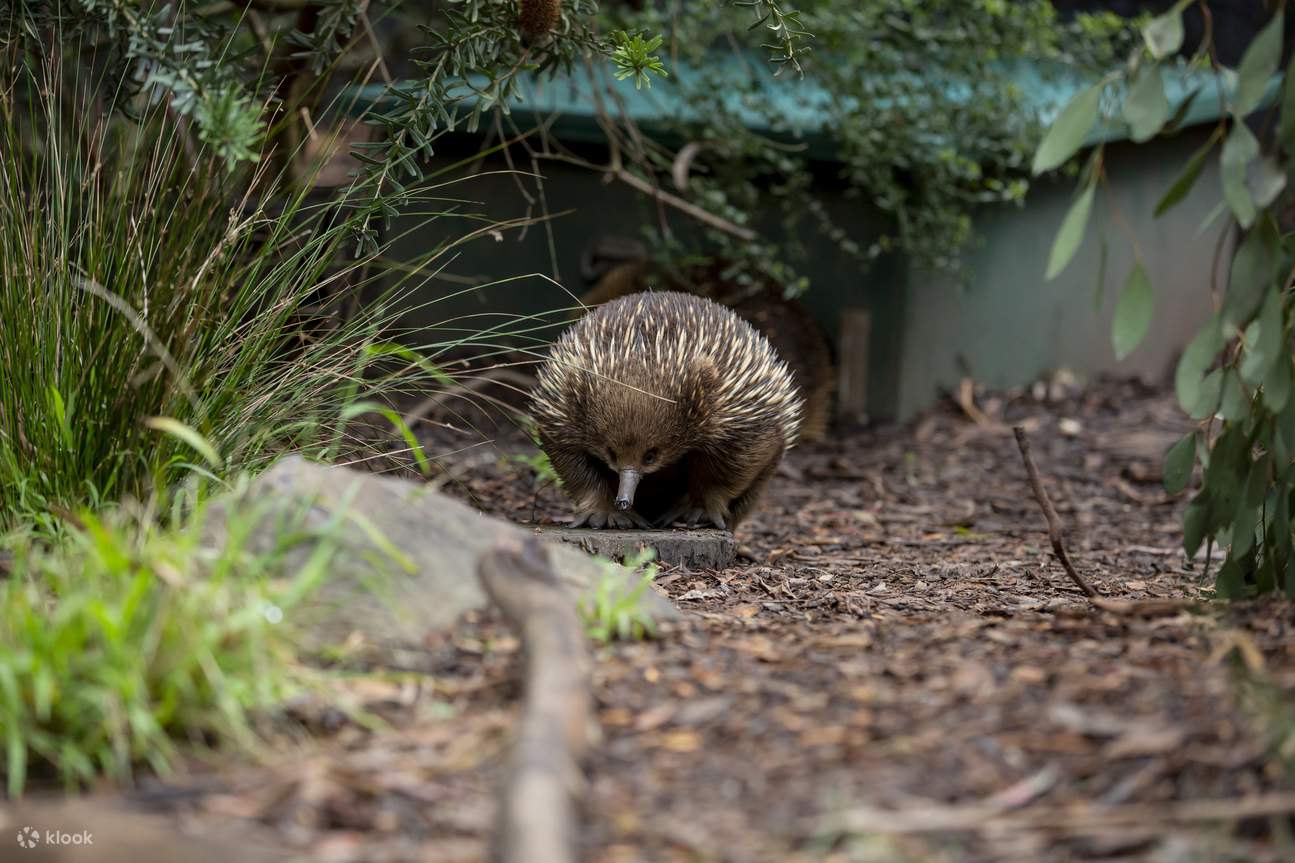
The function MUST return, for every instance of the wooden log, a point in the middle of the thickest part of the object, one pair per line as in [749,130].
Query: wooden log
[536,821]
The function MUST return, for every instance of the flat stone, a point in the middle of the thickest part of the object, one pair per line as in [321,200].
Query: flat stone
[692,549]
[403,556]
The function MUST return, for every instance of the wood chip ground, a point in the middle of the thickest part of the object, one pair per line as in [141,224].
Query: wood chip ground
[896,671]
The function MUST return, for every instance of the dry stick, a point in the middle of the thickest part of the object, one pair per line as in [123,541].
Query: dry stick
[1118,606]
[1054,523]
[536,820]
[683,206]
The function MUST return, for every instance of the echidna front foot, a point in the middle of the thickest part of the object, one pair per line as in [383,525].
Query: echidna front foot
[597,519]
[694,516]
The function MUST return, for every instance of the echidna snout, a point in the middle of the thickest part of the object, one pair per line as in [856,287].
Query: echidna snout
[629,480]
[631,459]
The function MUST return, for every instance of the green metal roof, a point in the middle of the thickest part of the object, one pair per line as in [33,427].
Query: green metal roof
[568,106]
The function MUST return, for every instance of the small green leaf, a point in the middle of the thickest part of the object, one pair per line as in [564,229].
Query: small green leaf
[1230,582]
[1146,107]
[1133,312]
[1263,340]
[1287,125]
[1277,386]
[1234,403]
[1258,66]
[1265,181]
[1179,116]
[1194,523]
[1253,269]
[1260,478]
[1071,233]
[1070,130]
[187,435]
[1207,396]
[1164,33]
[1196,359]
[1225,478]
[1179,462]
[1239,150]
[1100,293]
[1243,529]
[1286,425]
[1183,184]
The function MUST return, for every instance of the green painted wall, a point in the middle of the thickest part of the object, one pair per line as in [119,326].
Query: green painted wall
[1007,325]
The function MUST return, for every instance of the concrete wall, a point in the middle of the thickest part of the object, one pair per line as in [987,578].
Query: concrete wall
[590,209]
[1007,325]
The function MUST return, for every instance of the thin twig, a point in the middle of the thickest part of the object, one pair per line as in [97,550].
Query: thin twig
[1147,607]
[1054,523]
[683,206]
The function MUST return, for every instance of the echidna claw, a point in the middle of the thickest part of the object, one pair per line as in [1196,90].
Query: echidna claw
[597,519]
[693,517]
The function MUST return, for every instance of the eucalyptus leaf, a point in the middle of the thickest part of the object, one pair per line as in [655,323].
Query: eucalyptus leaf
[1258,65]
[1234,404]
[1164,33]
[1263,340]
[1258,481]
[1133,311]
[1100,292]
[1179,116]
[1230,582]
[1146,107]
[1277,386]
[1265,180]
[1239,150]
[1194,523]
[1286,425]
[1179,462]
[1208,394]
[1192,365]
[1243,529]
[1253,269]
[1071,234]
[1068,133]
[1226,477]
[1183,184]
[1286,129]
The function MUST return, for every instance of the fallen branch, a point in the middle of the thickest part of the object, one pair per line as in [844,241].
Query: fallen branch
[1148,607]
[1049,513]
[536,820]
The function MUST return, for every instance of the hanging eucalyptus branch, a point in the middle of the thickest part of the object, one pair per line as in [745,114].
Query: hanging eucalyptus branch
[1236,378]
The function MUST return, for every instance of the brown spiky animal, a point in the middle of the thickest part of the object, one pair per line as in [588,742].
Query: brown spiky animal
[660,407]
[797,338]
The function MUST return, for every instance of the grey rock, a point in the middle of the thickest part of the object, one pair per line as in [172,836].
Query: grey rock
[404,560]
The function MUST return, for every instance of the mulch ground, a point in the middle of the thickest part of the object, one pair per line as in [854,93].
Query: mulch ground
[896,671]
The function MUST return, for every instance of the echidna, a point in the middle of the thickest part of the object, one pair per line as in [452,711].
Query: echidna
[797,338]
[661,407]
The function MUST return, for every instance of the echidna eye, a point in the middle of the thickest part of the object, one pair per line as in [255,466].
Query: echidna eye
[611,456]
[649,456]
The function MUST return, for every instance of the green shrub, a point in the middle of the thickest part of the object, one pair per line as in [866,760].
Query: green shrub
[615,611]
[142,279]
[131,635]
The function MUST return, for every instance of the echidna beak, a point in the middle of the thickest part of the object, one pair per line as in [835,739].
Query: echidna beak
[625,493]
